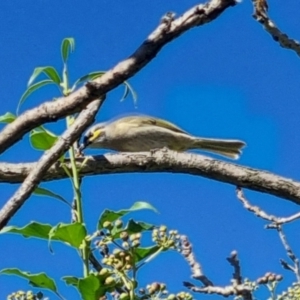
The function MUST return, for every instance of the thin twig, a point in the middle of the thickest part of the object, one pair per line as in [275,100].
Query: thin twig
[237,287]
[197,272]
[225,291]
[276,223]
[289,252]
[260,14]
[235,262]
[95,263]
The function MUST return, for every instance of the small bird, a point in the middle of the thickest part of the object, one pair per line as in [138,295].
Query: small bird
[144,133]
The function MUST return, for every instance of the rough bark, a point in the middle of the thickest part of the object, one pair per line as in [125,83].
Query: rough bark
[166,161]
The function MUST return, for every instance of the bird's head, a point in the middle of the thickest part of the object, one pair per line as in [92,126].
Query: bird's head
[94,136]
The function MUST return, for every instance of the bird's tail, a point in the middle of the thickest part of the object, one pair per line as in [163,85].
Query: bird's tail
[228,148]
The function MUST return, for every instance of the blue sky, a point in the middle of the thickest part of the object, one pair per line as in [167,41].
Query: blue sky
[226,79]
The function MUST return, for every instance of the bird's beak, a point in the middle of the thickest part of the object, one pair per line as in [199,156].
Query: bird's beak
[84,144]
[89,138]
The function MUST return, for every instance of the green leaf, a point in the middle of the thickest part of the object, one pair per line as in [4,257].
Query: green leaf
[90,288]
[109,215]
[40,280]
[142,205]
[129,88]
[71,234]
[87,77]
[31,89]
[71,280]
[33,229]
[67,47]
[143,253]
[126,92]
[136,227]
[49,71]
[131,228]
[42,139]
[7,118]
[39,191]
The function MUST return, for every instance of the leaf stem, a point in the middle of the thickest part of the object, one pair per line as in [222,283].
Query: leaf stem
[76,180]
[65,82]
[78,200]
[150,257]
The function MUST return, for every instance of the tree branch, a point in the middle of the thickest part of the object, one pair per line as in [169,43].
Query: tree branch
[75,102]
[260,15]
[276,224]
[235,262]
[275,221]
[167,161]
[189,255]
[85,118]
[237,287]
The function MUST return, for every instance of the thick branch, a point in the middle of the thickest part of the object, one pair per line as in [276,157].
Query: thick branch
[168,161]
[165,33]
[85,118]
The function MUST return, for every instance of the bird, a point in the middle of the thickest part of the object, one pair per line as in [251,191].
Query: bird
[138,133]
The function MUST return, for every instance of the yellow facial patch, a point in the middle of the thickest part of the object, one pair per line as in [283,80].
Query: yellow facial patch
[94,135]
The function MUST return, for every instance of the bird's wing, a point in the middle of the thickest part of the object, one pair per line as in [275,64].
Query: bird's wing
[146,120]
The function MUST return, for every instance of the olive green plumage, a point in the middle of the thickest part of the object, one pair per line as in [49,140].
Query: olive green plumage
[143,133]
